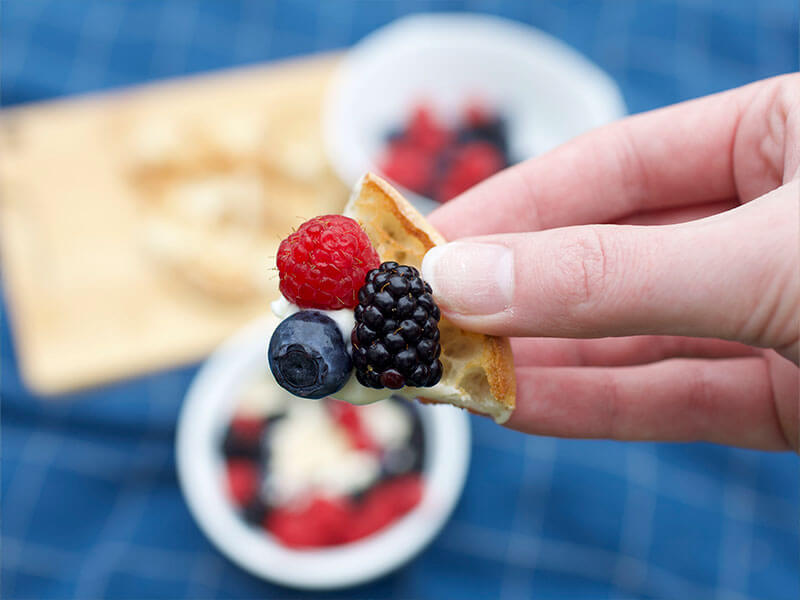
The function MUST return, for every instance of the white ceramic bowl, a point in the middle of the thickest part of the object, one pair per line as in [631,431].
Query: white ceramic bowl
[548,92]
[207,410]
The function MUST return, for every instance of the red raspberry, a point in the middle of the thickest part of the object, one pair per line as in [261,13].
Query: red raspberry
[472,163]
[324,522]
[331,516]
[408,165]
[323,264]
[242,480]
[372,516]
[477,113]
[346,415]
[247,428]
[425,131]
[401,494]
[293,530]
[385,503]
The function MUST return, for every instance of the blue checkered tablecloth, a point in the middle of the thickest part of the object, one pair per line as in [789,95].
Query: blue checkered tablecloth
[90,502]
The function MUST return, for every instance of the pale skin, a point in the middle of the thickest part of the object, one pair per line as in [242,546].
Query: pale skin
[648,273]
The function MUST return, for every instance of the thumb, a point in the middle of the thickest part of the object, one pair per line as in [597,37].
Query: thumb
[732,276]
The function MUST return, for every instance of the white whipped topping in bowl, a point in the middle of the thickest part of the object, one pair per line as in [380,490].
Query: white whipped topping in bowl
[310,453]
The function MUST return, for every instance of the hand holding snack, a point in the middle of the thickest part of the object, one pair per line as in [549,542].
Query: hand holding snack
[699,204]
[360,330]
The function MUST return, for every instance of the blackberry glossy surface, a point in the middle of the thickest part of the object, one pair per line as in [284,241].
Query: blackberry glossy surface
[396,336]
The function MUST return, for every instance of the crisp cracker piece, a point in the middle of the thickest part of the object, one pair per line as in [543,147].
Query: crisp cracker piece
[478,369]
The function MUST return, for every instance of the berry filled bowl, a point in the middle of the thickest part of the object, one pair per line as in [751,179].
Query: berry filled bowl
[313,493]
[438,102]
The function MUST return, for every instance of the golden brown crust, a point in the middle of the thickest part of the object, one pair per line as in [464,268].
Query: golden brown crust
[478,369]
[500,370]
[414,223]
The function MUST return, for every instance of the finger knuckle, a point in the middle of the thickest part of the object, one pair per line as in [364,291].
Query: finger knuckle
[612,423]
[631,167]
[789,88]
[700,400]
[584,268]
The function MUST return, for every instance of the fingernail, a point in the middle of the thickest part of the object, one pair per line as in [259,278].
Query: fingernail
[470,278]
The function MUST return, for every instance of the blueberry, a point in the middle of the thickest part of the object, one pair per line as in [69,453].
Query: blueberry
[417,442]
[255,512]
[493,132]
[398,460]
[237,446]
[395,135]
[308,356]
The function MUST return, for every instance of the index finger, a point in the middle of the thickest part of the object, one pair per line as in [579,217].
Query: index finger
[675,156]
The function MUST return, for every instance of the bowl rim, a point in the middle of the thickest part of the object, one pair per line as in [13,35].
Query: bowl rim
[529,43]
[447,436]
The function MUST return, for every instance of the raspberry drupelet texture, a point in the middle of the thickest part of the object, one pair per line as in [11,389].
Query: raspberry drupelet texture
[396,337]
[323,264]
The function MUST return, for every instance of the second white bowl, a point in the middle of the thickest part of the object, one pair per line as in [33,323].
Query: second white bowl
[207,410]
[547,91]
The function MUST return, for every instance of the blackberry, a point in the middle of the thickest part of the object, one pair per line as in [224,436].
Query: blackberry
[492,130]
[236,446]
[255,512]
[396,337]
[243,438]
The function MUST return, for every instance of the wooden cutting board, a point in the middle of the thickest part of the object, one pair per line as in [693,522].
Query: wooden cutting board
[89,304]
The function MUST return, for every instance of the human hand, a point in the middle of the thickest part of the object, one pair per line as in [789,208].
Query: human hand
[680,222]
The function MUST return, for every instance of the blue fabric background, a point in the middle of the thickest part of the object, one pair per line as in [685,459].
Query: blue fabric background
[90,503]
